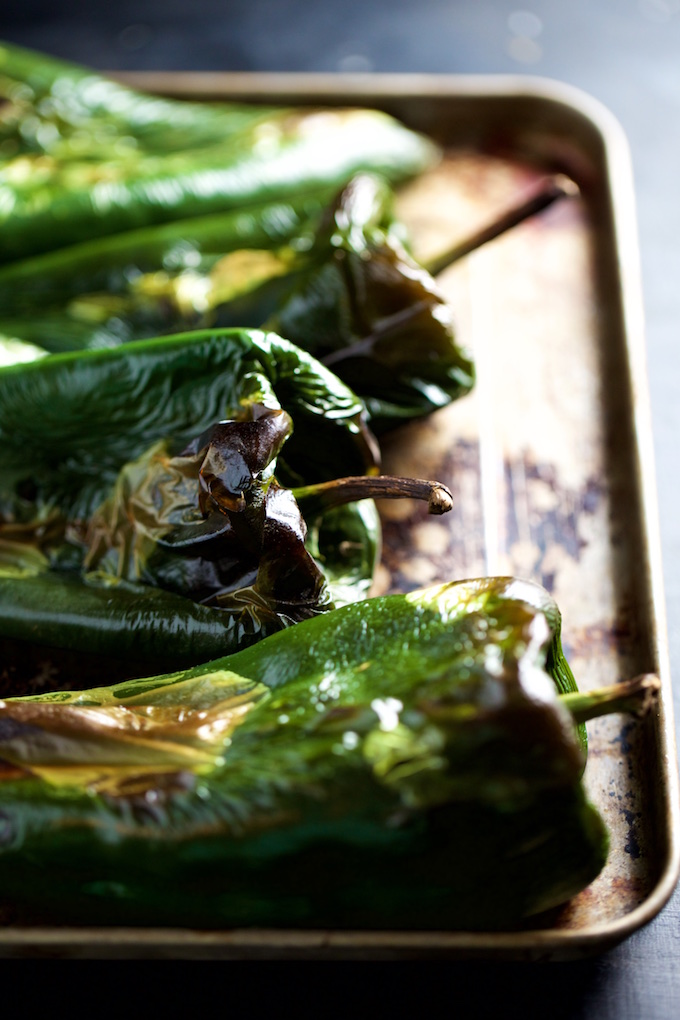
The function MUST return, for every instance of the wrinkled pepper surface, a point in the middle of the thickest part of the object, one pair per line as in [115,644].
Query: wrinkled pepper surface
[140,513]
[406,762]
[85,157]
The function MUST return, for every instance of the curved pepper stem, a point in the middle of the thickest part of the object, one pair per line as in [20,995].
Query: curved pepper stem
[314,499]
[636,696]
[548,191]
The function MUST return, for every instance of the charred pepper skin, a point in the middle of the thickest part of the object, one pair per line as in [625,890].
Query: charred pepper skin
[93,421]
[145,524]
[405,762]
[364,307]
[68,423]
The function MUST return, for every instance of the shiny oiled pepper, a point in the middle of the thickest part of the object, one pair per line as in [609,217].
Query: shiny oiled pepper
[360,304]
[411,761]
[85,157]
[140,516]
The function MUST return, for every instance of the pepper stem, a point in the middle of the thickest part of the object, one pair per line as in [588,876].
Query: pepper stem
[636,696]
[314,499]
[547,192]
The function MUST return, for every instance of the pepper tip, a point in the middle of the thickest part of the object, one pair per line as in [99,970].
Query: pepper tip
[441,499]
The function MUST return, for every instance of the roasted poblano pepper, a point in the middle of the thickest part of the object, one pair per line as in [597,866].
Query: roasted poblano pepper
[105,547]
[84,157]
[140,516]
[410,761]
[347,291]
[361,305]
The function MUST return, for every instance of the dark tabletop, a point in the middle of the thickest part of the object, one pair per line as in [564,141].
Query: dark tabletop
[624,52]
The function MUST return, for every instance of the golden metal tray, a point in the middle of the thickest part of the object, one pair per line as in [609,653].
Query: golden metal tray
[550,461]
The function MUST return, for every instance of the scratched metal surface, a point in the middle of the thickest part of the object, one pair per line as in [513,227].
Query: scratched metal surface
[543,462]
[526,458]
[549,463]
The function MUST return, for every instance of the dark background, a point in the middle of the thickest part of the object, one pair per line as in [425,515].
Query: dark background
[626,53]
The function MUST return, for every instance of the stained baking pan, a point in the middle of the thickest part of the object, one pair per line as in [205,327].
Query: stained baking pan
[549,460]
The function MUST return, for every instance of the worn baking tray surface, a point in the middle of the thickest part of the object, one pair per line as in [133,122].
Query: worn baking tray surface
[549,461]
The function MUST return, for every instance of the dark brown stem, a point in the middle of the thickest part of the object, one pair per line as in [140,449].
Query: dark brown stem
[548,192]
[313,499]
[636,696]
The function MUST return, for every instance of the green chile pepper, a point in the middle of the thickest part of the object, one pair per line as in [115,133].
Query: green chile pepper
[149,282]
[410,762]
[78,431]
[367,310]
[347,291]
[144,525]
[70,422]
[84,157]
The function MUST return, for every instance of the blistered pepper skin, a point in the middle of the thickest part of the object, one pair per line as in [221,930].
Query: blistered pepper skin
[101,548]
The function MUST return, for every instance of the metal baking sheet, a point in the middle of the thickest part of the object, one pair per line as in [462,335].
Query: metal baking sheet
[550,462]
